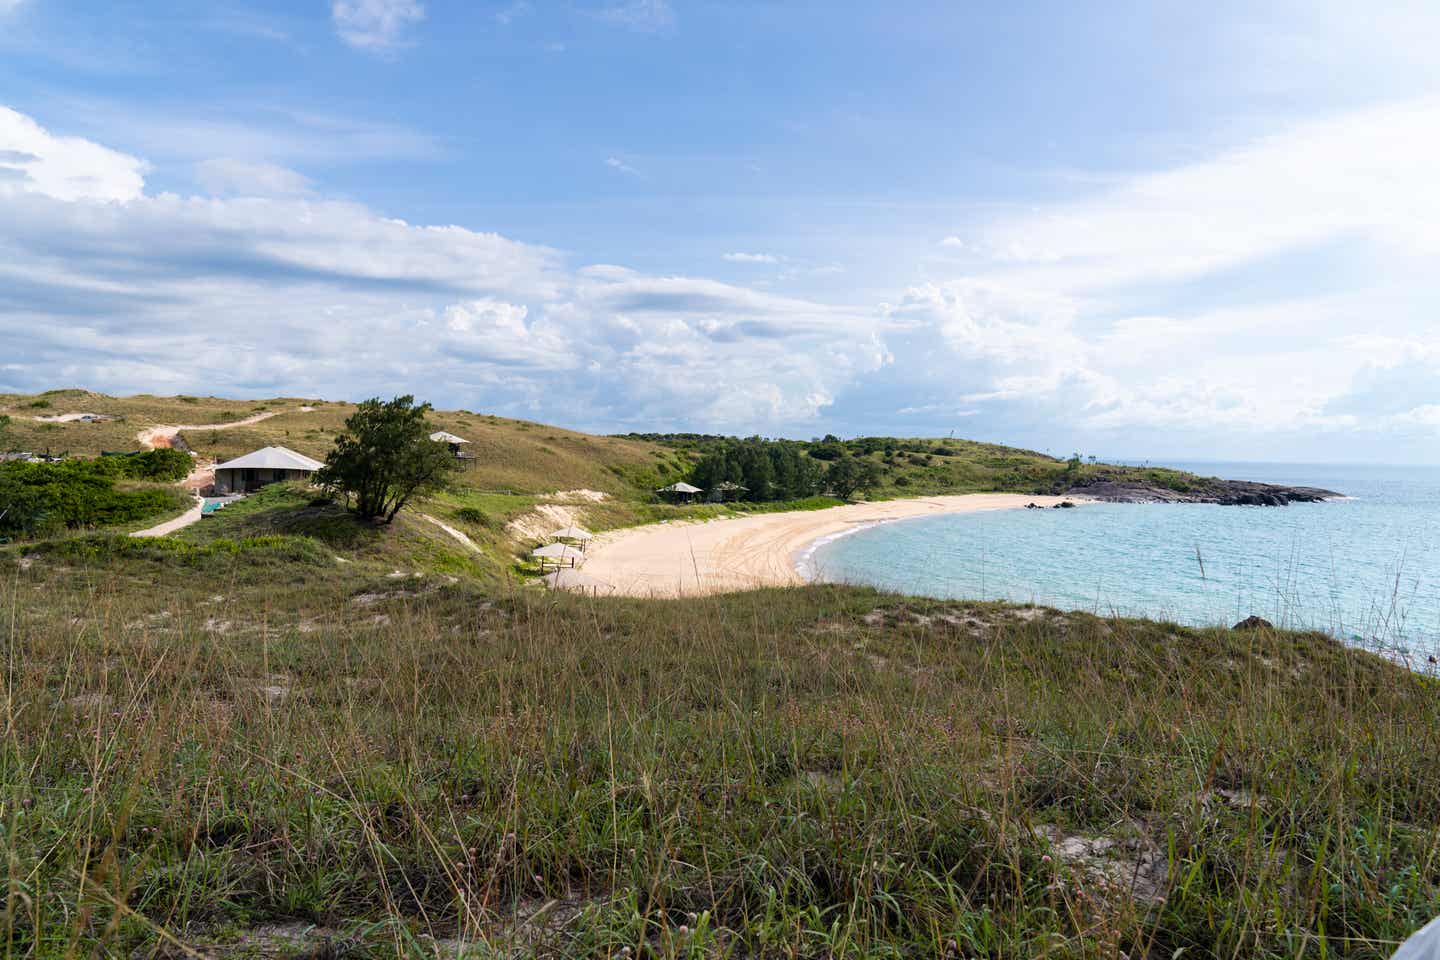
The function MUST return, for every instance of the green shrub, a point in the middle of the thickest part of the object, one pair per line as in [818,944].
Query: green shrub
[476,516]
[159,465]
[37,498]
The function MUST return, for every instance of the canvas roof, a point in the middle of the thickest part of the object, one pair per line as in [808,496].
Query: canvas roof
[271,458]
[572,533]
[681,487]
[557,551]
[444,437]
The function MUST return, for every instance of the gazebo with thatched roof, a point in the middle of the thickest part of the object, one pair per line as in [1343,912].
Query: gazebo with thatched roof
[681,492]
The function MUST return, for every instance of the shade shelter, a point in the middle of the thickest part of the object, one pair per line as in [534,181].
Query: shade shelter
[681,492]
[725,490]
[450,440]
[559,554]
[261,467]
[572,532]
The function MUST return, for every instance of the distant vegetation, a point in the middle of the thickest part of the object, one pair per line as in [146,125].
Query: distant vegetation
[37,499]
[884,467]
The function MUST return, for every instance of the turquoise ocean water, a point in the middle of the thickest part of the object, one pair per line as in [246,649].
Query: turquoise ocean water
[1366,568]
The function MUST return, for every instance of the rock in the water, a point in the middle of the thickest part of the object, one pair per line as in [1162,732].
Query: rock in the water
[1254,623]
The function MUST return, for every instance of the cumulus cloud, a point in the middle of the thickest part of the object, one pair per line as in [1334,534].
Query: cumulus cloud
[264,291]
[32,160]
[377,26]
[1222,295]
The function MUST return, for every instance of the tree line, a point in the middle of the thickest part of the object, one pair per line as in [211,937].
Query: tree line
[757,469]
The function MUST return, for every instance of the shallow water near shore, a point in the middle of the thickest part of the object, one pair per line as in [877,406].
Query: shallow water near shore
[1365,568]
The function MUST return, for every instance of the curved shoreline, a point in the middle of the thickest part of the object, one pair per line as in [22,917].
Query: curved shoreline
[760,550]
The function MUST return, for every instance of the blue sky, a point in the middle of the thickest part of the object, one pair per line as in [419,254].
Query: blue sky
[1129,229]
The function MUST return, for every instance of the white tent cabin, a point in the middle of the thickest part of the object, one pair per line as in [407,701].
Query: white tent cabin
[450,440]
[260,467]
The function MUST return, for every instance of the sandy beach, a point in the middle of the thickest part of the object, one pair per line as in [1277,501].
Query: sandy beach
[675,559]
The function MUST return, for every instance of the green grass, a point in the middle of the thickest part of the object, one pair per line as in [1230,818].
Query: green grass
[204,739]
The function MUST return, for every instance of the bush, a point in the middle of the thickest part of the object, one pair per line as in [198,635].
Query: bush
[37,498]
[159,465]
[476,516]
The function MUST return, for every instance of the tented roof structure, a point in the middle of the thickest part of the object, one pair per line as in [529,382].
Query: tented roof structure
[681,487]
[272,458]
[572,532]
[443,437]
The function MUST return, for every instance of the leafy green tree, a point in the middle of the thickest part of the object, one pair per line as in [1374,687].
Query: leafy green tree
[848,475]
[385,456]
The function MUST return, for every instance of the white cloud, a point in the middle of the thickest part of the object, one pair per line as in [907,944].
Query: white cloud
[32,160]
[227,175]
[303,295]
[641,15]
[377,26]
[750,257]
[1119,311]
[620,166]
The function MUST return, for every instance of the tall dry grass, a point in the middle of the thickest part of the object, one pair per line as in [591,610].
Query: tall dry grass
[253,753]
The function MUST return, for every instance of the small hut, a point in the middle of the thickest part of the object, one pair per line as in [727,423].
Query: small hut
[681,492]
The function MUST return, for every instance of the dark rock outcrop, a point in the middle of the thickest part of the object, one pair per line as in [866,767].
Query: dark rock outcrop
[1115,489]
[1254,623]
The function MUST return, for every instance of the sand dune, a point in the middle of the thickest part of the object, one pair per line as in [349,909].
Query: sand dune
[717,556]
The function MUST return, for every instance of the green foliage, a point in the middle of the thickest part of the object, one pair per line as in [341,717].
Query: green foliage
[478,517]
[850,474]
[767,469]
[40,498]
[385,456]
[157,465]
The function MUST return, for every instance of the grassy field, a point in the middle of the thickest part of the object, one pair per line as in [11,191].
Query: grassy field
[285,732]
[244,748]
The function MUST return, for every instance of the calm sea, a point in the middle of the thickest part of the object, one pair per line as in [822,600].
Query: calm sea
[1366,569]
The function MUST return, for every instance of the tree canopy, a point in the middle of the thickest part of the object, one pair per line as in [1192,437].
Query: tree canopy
[767,469]
[849,474]
[385,456]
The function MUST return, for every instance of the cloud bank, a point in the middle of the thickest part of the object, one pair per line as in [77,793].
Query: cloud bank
[1276,289]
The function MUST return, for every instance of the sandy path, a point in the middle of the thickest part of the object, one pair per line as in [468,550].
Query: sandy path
[740,554]
[163,434]
[170,526]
